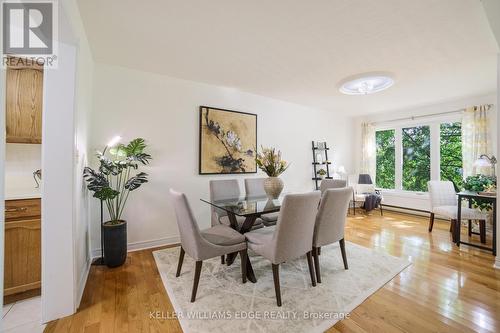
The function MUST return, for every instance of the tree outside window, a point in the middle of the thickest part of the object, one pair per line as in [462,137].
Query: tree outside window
[416,158]
[386,159]
[451,153]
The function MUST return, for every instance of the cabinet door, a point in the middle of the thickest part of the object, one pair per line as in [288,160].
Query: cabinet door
[22,256]
[24,105]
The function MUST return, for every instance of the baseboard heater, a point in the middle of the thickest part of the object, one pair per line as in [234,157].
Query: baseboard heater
[407,208]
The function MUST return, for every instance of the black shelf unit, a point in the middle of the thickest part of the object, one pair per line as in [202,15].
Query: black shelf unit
[326,162]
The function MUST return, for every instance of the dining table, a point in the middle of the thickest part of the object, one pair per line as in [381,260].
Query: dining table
[250,208]
[471,196]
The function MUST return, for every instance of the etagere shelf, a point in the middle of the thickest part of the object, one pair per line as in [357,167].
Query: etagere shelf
[320,149]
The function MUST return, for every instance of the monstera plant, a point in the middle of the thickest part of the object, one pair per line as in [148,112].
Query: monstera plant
[112,183]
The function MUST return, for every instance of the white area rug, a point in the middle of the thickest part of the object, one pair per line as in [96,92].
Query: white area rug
[224,304]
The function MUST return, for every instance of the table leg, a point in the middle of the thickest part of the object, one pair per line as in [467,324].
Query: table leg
[458,224]
[495,227]
[250,274]
[247,225]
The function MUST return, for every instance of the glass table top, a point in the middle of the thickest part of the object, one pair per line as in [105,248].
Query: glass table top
[472,194]
[246,206]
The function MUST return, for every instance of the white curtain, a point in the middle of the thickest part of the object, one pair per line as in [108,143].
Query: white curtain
[476,139]
[368,150]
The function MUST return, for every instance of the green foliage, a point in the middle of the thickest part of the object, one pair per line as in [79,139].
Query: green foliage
[451,153]
[113,182]
[386,159]
[269,161]
[480,183]
[322,172]
[416,158]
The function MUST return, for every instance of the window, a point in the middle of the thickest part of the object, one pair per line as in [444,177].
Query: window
[386,159]
[416,158]
[451,153]
[407,157]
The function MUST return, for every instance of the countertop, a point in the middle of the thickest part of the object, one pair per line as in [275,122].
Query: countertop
[22,193]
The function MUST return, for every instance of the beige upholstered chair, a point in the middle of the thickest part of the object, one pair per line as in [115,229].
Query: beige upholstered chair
[292,236]
[330,223]
[216,241]
[331,183]
[444,202]
[254,187]
[222,190]
[360,191]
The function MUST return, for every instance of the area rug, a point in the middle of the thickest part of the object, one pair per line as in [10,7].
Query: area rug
[224,304]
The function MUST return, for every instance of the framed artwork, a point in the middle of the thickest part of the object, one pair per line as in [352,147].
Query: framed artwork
[228,140]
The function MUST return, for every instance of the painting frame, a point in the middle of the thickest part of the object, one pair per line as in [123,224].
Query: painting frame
[202,169]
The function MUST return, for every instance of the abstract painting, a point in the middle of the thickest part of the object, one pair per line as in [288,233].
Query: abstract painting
[228,140]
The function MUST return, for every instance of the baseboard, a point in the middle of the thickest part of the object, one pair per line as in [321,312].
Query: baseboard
[82,282]
[143,245]
[497,262]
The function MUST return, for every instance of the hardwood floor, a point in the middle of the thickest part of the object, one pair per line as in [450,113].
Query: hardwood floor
[445,289]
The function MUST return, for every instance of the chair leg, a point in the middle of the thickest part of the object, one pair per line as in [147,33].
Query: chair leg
[381,210]
[197,274]
[431,222]
[316,264]
[222,259]
[179,265]
[276,278]
[482,231]
[311,268]
[319,251]
[342,249]
[243,257]
[469,227]
[452,225]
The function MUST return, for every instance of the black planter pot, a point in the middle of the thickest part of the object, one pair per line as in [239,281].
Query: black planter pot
[115,243]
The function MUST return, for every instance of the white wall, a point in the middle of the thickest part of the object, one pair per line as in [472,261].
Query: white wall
[2,171]
[57,188]
[20,162]
[408,199]
[65,233]
[83,109]
[164,111]
[497,261]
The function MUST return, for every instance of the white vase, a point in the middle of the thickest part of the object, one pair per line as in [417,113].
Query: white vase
[273,187]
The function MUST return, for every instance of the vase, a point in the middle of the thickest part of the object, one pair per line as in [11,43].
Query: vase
[115,243]
[273,187]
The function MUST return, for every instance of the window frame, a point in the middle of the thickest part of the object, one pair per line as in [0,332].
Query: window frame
[434,123]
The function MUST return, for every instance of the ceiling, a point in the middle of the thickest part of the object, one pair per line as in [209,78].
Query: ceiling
[299,51]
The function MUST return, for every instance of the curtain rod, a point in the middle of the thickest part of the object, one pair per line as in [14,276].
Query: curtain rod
[424,116]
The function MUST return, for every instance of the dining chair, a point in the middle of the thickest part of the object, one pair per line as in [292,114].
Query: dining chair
[330,223]
[254,187]
[225,189]
[292,236]
[213,242]
[443,200]
[331,183]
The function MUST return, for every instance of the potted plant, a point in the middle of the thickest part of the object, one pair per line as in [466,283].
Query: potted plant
[112,183]
[481,183]
[269,161]
[322,173]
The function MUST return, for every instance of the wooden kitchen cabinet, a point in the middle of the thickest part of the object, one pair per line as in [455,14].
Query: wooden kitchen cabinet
[24,104]
[22,270]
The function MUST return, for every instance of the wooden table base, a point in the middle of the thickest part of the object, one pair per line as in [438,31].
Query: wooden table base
[247,226]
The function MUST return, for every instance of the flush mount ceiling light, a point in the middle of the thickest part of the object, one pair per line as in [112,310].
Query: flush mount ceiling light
[365,84]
